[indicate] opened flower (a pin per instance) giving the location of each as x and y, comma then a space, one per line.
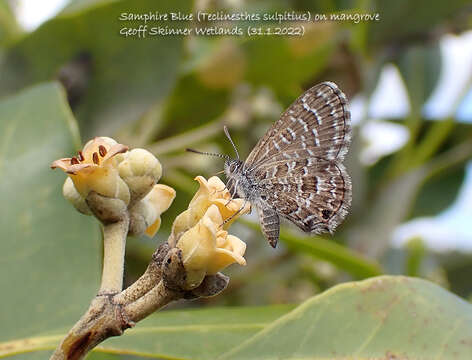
207, 249
95, 169
211, 192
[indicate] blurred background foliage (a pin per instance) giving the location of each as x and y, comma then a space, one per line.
168, 93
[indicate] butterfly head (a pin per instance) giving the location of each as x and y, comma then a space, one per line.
232, 167
232, 170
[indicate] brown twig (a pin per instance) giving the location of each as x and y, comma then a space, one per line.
111, 314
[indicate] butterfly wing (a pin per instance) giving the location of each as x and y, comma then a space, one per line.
317, 125
312, 193
297, 164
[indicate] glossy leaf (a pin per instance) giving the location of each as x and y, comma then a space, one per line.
379, 318
181, 334
49, 253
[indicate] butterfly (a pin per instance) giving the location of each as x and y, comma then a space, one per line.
295, 171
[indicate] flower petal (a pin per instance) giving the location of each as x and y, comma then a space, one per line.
115, 149
222, 259
66, 165
72, 195
153, 228
159, 200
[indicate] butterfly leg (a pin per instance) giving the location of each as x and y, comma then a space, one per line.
236, 213
270, 225
231, 186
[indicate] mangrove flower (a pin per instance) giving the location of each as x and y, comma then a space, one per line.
95, 169
200, 231
211, 192
146, 214
107, 168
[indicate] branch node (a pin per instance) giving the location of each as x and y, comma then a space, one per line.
173, 271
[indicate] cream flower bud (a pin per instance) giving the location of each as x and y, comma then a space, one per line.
207, 250
140, 170
73, 196
146, 214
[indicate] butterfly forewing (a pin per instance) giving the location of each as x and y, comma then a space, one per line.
317, 124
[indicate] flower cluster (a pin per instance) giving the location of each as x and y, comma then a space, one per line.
112, 171
200, 231
107, 179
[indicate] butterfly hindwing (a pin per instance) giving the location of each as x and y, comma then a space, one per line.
315, 195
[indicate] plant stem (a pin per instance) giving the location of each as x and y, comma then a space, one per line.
151, 277
190, 137
155, 299
114, 243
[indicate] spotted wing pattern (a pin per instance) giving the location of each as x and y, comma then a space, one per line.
312, 193
317, 124
298, 166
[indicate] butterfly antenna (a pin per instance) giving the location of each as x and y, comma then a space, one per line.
231, 140
226, 157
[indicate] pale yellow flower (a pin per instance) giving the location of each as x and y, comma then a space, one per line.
206, 249
211, 192
156, 202
95, 169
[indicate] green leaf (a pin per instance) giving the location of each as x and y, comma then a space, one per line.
380, 318
383, 317
202, 334
9, 28
266, 56
116, 78
397, 24
420, 67
49, 253
438, 192
182, 334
